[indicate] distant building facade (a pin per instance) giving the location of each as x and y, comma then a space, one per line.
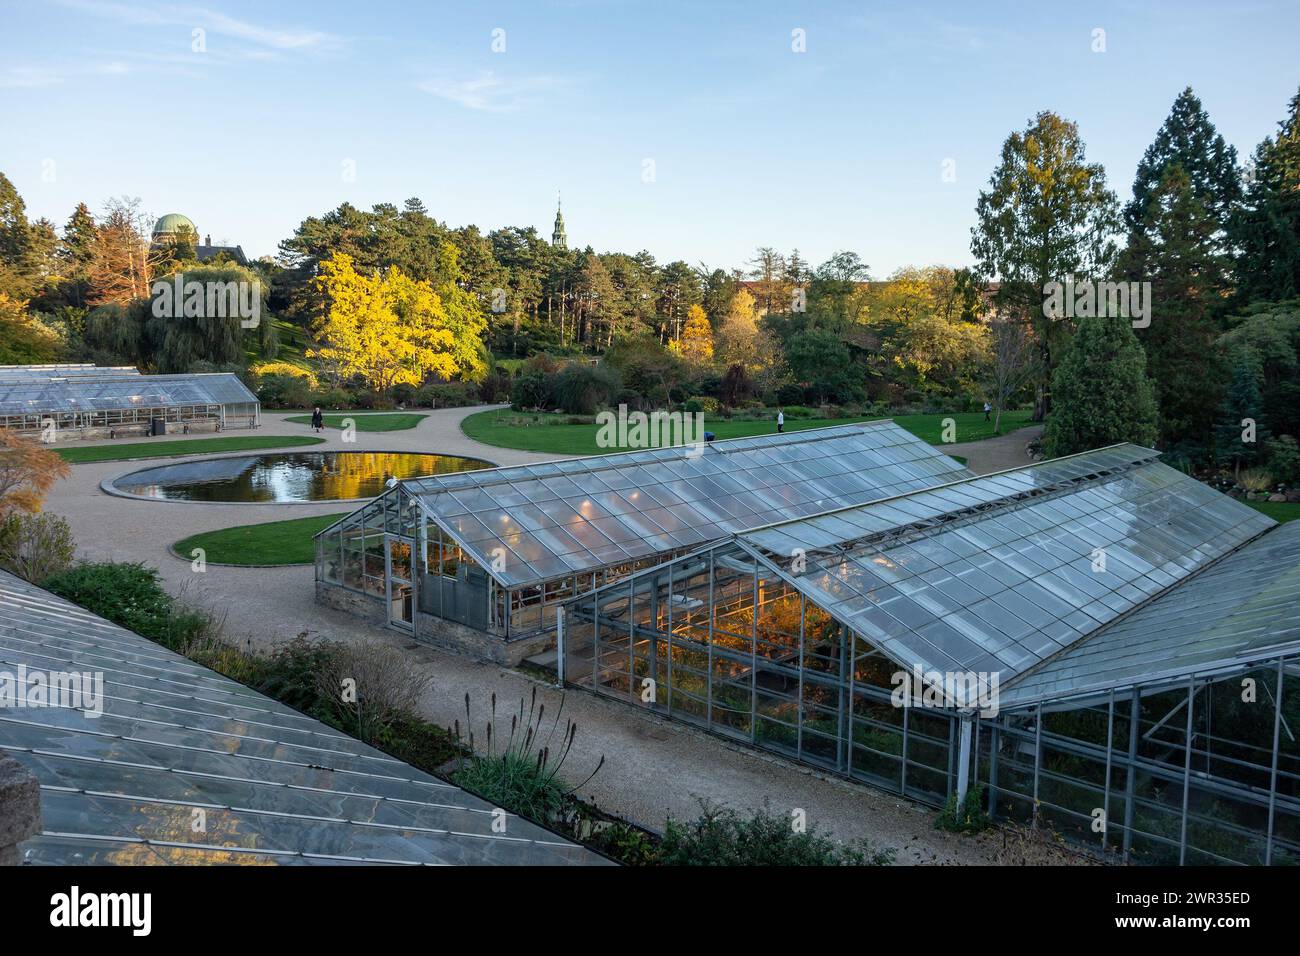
172, 225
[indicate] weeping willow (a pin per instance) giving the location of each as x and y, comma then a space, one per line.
182, 340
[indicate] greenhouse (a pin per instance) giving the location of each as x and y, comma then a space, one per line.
481, 560
1098, 644
83, 401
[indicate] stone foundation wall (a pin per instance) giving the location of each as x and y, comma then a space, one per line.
437, 631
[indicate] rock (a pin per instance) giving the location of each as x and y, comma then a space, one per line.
1277, 497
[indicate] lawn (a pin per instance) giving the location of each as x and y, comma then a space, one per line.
273, 542
551, 436
366, 421
193, 446
1279, 511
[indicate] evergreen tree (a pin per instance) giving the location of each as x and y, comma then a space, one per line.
1240, 431
1187, 139
1101, 391
1174, 247
1266, 230
76, 253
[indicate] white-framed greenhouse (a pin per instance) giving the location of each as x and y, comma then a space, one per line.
86, 401
483, 559
1102, 644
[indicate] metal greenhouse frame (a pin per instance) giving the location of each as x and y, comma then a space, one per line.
80, 398
498, 550
1117, 715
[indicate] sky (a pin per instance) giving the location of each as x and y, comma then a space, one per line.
695, 130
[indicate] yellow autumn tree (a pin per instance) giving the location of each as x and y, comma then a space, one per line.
738, 334
390, 329
696, 343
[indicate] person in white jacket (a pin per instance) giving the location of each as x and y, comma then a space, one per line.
780, 420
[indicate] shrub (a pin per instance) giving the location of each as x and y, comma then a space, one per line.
531, 389
27, 472
1284, 460
789, 394
368, 686
372, 400
969, 817
446, 395
289, 674
1256, 479
522, 772
721, 837
131, 596
582, 389
284, 391
36, 546
495, 387
285, 370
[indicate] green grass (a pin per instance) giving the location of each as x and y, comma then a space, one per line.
194, 446
366, 421
1279, 511
273, 542
501, 428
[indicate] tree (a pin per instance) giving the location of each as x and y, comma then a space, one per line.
1174, 247
388, 328
76, 253
24, 339
1186, 139
737, 333
717, 289
767, 269
1102, 393
696, 343
1047, 215
181, 336
819, 359
123, 265
1012, 364
1240, 431
1267, 228
27, 472
833, 287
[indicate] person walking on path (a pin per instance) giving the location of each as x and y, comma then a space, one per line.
317, 420
780, 420
987, 408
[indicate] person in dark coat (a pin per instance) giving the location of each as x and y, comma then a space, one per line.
317, 420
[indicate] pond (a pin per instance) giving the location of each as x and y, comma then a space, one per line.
289, 477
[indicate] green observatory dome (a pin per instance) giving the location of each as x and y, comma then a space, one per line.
172, 223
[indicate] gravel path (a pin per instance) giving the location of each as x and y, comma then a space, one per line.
996, 454
653, 769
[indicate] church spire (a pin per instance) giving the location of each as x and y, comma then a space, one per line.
558, 238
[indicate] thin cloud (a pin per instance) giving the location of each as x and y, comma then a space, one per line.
491, 92
29, 77
213, 21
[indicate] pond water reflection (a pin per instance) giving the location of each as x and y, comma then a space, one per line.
297, 476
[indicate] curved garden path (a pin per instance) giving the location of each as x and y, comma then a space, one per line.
653, 768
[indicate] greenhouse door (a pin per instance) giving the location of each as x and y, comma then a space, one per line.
397, 572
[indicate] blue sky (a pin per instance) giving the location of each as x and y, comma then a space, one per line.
838, 147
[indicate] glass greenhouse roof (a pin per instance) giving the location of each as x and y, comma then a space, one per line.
89, 393
275, 786
1240, 611
27, 373
558, 518
1001, 572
